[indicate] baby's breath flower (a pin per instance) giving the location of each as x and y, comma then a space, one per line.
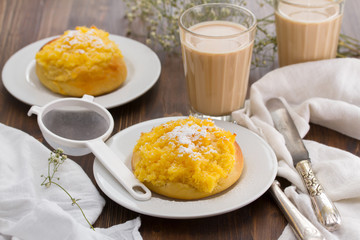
57, 157
160, 19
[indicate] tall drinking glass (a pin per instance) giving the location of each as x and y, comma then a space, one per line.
307, 30
217, 41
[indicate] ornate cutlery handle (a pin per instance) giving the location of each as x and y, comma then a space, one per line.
324, 208
301, 226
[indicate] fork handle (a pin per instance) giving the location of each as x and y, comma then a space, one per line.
302, 227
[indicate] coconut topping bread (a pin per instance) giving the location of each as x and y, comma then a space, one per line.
81, 61
187, 158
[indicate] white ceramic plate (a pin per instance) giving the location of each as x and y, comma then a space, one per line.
260, 167
143, 66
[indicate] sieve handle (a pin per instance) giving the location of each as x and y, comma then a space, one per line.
34, 110
118, 169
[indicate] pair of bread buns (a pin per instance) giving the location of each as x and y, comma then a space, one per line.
187, 159
81, 61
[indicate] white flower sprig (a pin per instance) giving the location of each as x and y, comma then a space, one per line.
160, 18
57, 157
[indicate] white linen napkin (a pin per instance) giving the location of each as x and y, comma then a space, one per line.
31, 211
326, 93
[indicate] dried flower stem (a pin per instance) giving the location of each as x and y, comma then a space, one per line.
160, 19
348, 47
57, 157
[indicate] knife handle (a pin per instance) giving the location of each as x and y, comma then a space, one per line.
302, 227
325, 210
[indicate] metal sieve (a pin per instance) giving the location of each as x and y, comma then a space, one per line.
80, 126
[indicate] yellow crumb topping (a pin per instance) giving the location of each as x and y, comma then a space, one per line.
82, 47
190, 151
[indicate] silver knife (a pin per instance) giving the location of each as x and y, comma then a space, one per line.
324, 208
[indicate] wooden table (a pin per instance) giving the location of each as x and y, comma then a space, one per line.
25, 21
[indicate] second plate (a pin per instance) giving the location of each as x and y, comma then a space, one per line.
142, 63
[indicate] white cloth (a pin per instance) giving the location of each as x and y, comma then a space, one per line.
31, 211
326, 93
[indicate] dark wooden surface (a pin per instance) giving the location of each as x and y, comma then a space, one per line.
25, 21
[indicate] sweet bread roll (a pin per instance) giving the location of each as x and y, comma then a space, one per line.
187, 159
81, 61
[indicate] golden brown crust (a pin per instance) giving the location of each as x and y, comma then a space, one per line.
94, 81
186, 192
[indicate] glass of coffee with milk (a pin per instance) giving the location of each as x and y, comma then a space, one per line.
216, 41
307, 30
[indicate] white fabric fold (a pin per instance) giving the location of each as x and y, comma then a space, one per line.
31, 211
326, 93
